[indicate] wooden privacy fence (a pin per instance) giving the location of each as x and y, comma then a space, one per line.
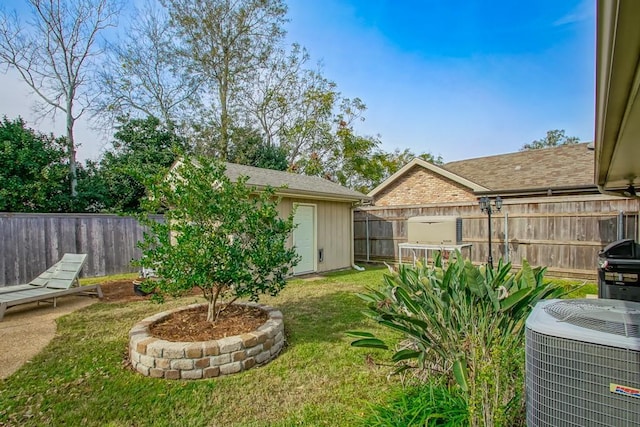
30, 243
561, 233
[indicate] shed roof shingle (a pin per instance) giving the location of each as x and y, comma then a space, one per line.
311, 186
556, 167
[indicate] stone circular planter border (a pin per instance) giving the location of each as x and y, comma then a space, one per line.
158, 358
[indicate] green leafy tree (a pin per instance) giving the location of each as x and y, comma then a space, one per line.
554, 138
93, 192
348, 162
249, 148
310, 136
323, 141
34, 176
306, 116
222, 237
379, 165
143, 150
275, 99
391, 162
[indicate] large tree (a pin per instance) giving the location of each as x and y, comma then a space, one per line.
302, 112
53, 53
344, 155
144, 75
290, 104
143, 150
378, 165
33, 172
249, 148
553, 138
228, 41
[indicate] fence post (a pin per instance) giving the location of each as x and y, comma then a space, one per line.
506, 237
620, 225
367, 232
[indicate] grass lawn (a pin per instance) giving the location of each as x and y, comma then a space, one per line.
80, 378
577, 288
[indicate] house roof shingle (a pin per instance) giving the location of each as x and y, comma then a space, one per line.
556, 167
300, 185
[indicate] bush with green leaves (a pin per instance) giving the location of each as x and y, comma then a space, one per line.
429, 405
464, 323
34, 175
223, 237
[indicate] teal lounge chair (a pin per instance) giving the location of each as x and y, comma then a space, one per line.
48, 274
59, 280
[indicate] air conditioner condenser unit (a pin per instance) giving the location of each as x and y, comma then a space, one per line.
583, 363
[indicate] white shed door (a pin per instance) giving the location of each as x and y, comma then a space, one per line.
304, 238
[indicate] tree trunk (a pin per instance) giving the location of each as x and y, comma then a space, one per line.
71, 149
223, 145
211, 312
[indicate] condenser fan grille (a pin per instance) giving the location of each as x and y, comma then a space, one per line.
598, 315
568, 383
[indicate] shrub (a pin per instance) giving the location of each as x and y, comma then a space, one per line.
427, 405
464, 323
223, 237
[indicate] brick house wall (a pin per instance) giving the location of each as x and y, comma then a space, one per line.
419, 186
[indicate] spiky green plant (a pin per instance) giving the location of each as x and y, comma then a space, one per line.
465, 323
428, 405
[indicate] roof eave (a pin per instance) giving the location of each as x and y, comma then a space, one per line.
300, 194
617, 101
519, 192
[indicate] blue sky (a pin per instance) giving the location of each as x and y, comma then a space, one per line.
460, 79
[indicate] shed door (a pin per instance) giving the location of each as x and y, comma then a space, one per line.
304, 238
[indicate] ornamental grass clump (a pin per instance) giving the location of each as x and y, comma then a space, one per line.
429, 405
462, 323
221, 236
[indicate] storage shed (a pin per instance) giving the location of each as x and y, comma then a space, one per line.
323, 214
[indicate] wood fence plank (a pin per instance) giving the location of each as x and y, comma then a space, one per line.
564, 234
30, 243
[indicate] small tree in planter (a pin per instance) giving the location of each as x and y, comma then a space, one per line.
222, 237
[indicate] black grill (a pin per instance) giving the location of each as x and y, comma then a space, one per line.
619, 271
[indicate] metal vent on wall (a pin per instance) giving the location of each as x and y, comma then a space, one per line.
598, 315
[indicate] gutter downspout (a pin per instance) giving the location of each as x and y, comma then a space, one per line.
353, 240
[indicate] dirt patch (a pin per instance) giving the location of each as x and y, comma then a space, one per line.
191, 325
122, 291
